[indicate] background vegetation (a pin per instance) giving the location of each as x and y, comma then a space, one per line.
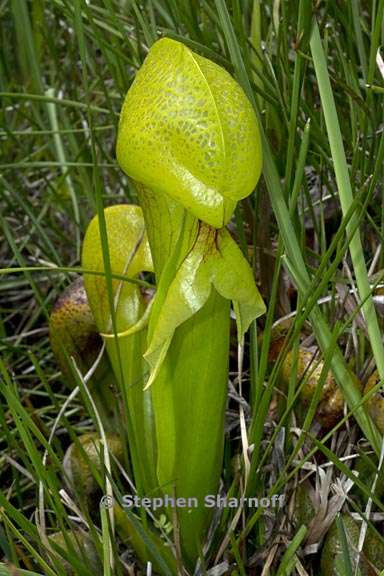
65, 67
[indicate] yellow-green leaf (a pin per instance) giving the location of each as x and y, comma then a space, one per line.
233, 278
214, 261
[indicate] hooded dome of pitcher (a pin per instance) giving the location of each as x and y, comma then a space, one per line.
188, 130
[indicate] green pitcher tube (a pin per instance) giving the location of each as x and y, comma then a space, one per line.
129, 256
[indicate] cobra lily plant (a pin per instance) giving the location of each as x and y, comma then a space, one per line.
188, 138
129, 255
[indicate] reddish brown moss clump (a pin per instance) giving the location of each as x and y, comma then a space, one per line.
375, 404
309, 368
72, 330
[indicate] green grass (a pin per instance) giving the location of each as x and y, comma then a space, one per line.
311, 75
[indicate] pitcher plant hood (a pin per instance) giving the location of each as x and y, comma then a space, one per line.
188, 130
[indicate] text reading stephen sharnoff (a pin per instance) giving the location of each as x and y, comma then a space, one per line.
210, 501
